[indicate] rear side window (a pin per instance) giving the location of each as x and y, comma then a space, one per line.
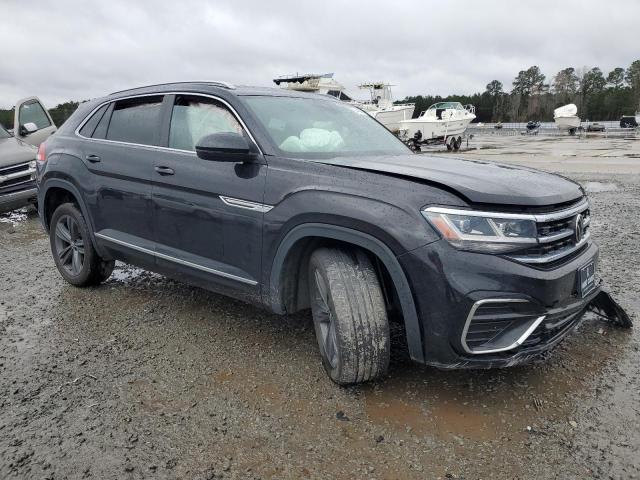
194, 117
136, 120
32, 112
90, 126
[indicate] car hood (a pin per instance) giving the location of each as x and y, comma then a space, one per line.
475, 180
13, 151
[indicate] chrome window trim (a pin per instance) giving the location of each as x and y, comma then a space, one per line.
176, 260
158, 147
246, 204
515, 344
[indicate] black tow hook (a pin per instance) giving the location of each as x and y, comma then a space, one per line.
606, 307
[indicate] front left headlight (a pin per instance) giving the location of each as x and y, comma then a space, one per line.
483, 231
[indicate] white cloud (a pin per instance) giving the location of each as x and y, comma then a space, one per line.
76, 50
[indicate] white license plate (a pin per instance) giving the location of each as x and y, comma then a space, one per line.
587, 278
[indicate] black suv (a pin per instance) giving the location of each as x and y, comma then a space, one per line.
294, 201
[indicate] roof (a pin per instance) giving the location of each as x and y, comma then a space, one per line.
212, 87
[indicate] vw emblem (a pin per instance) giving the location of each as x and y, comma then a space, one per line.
579, 227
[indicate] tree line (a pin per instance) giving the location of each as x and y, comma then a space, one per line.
597, 96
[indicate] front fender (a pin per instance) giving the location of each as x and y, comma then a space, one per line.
367, 242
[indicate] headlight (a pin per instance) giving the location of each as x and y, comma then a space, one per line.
483, 231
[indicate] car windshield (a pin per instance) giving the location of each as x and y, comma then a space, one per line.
4, 133
321, 128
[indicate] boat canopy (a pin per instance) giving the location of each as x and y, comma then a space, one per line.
567, 111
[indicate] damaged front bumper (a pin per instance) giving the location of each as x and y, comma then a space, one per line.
550, 329
484, 311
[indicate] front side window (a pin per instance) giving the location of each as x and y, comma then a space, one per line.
32, 112
195, 117
320, 127
136, 120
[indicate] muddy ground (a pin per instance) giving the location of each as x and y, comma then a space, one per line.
145, 377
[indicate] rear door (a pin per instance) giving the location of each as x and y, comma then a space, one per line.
31, 111
207, 214
120, 150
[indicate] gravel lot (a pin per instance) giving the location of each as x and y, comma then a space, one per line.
145, 377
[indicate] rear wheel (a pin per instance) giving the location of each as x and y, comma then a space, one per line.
349, 315
72, 249
450, 143
457, 143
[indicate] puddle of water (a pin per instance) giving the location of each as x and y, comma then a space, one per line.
597, 187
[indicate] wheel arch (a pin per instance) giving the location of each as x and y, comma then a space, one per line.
60, 190
287, 283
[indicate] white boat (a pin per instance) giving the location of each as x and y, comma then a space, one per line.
323, 84
442, 120
381, 106
566, 118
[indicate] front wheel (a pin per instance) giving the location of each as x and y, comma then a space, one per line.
349, 315
72, 249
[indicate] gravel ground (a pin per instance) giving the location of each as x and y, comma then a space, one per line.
145, 377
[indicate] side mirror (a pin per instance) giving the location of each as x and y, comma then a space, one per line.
225, 147
28, 128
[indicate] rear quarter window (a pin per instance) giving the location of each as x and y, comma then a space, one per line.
89, 127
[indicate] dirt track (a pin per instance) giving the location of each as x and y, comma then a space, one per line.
145, 377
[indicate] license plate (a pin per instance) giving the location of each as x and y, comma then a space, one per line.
587, 278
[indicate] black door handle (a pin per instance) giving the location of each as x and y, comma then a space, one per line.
164, 170
93, 158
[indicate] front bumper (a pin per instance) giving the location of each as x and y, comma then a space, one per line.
529, 309
18, 199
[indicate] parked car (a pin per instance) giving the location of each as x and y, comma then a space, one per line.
17, 172
595, 127
628, 121
32, 122
294, 201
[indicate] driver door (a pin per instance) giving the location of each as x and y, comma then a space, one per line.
31, 111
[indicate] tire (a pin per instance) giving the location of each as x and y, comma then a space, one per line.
349, 315
73, 251
457, 144
450, 144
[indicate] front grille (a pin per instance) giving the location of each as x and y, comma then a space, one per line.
22, 167
16, 178
560, 236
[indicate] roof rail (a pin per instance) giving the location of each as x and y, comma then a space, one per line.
214, 83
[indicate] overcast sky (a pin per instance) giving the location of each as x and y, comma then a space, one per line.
62, 50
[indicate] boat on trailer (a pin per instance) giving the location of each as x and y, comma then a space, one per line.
441, 122
566, 118
382, 108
